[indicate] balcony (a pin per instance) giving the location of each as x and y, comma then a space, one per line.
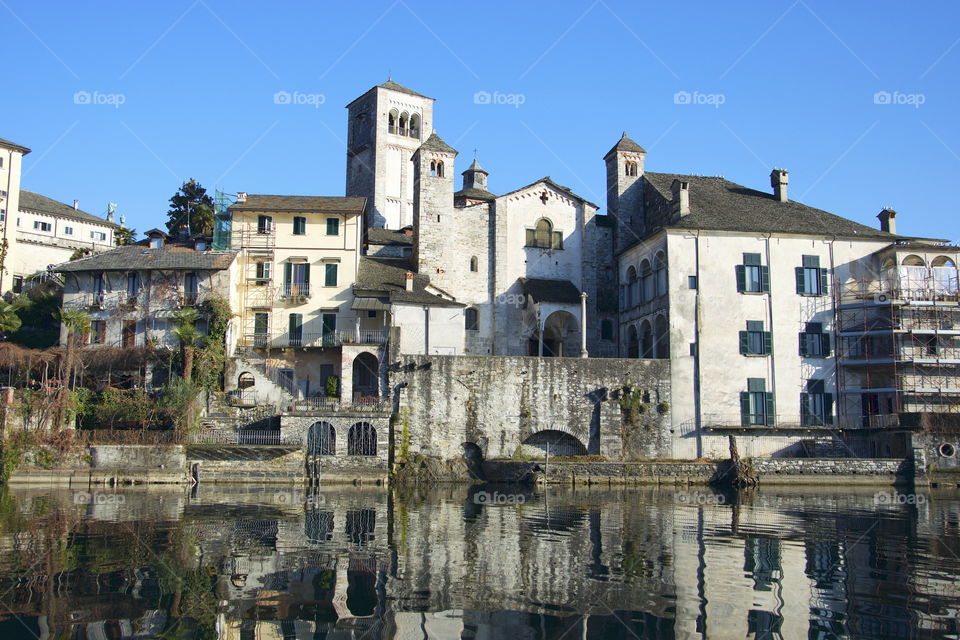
797, 422
295, 293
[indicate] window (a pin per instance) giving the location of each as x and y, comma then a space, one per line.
41, 226
68, 231
439, 168
295, 330
265, 225
128, 336
133, 285
471, 320
752, 277
3, 215
191, 288
261, 328
606, 330
392, 121
755, 341
1, 163
404, 118
330, 274
296, 279
474, 264
632, 295
362, 440
333, 226
691, 282
630, 168
328, 326
756, 404
98, 332
415, 126
17, 284
99, 236
98, 283
321, 440
156, 242
264, 273
299, 225
246, 380
814, 343
816, 407
543, 236
660, 274
647, 283
811, 279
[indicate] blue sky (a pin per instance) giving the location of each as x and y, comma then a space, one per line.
791, 84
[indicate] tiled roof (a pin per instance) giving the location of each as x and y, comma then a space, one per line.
559, 187
389, 237
717, 204
542, 290
319, 204
626, 144
13, 145
393, 86
377, 277
434, 143
141, 256
30, 201
475, 194
475, 166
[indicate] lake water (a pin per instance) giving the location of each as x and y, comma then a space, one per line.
454, 562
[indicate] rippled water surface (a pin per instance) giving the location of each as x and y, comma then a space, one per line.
459, 562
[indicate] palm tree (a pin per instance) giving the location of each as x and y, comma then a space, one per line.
9, 320
77, 323
188, 335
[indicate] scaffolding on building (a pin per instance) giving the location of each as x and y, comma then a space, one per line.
222, 221
257, 285
898, 345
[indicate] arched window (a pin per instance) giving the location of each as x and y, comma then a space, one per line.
945, 277
474, 264
362, 440
943, 261
888, 264
633, 343
913, 261
660, 274
439, 168
543, 236
606, 330
415, 126
392, 121
471, 319
661, 338
433, 168
246, 380
631, 168
647, 284
646, 340
402, 128
632, 298
321, 439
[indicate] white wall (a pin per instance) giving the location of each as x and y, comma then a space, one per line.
429, 330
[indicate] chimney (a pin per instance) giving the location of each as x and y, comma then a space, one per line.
681, 197
241, 197
778, 180
76, 205
888, 220
409, 281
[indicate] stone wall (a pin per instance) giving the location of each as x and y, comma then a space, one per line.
342, 467
498, 403
246, 464
130, 456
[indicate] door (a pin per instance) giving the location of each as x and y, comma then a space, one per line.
329, 329
296, 330
129, 334
261, 330
297, 279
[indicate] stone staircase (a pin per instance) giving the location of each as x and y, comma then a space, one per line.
267, 389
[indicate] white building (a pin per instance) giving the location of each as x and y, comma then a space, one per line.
11, 163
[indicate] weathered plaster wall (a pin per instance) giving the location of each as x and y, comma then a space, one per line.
498, 402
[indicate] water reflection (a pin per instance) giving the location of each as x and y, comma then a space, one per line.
245, 563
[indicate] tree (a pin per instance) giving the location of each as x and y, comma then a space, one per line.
191, 206
77, 323
124, 236
9, 320
185, 330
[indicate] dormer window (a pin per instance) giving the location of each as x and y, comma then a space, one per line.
156, 242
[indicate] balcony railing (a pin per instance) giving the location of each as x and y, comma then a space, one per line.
321, 404
316, 340
245, 436
294, 290
798, 422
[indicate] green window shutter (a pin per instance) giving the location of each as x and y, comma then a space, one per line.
811, 261
801, 281
824, 282
330, 276
765, 279
296, 321
741, 278
803, 344
825, 344
306, 273
771, 411
744, 342
767, 342
287, 271
744, 408
804, 408
828, 408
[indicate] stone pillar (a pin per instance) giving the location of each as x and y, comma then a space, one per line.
583, 324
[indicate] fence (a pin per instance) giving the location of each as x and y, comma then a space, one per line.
245, 436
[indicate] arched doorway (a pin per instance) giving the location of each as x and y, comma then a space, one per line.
366, 376
561, 335
553, 443
321, 439
362, 440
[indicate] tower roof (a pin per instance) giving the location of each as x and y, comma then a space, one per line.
393, 86
626, 144
475, 166
434, 143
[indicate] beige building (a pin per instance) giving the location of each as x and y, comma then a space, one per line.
11, 163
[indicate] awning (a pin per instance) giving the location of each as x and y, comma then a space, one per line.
370, 304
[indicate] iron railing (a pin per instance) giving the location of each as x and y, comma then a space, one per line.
795, 421
245, 436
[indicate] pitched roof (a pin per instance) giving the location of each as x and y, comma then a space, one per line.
625, 144
30, 201
475, 194
173, 255
393, 86
434, 143
317, 204
475, 166
379, 276
559, 187
13, 145
389, 237
717, 204
543, 290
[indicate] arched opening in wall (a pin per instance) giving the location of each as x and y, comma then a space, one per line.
472, 451
945, 279
415, 126
647, 284
561, 335
402, 126
474, 264
632, 296
913, 275
439, 168
362, 440
471, 319
660, 274
606, 330
245, 380
631, 168
321, 439
392, 121
552, 443
646, 339
633, 343
366, 376
361, 593
433, 168
661, 337
913, 261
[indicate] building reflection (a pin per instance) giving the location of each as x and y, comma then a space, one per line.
246, 564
